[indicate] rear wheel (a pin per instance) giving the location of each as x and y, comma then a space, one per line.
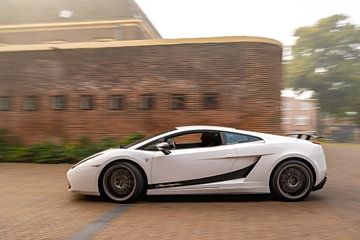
292, 181
122, 182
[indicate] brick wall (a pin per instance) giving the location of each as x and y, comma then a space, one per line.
245, 76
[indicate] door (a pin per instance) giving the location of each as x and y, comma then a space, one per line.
248, 148
195, 158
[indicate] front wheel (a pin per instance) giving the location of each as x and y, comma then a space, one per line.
122, 182
292, 181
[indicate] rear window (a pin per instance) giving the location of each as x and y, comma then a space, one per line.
234, 138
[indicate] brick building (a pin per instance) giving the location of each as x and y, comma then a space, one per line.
110, 89
299, 113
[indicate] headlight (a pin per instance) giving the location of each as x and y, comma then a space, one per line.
86, 159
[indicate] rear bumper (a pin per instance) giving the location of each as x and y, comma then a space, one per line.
320, 185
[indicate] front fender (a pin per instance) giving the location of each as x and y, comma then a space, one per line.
142, 160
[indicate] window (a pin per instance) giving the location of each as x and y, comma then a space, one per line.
302, 120
30, 103
233, 138
119, 32
147, 138
286, 120
178, 101
286, 106
86, 102
147, 102
304, 106
191, 138
210, 101
58, 102
116, 102
5, 103
195, 139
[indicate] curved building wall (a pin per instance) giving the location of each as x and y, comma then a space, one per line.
161, 84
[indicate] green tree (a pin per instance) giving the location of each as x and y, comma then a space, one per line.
326, 59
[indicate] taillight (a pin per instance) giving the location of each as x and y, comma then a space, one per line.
315, 142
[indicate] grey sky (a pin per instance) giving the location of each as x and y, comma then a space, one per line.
266, 18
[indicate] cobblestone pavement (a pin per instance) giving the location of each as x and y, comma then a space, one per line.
34, 204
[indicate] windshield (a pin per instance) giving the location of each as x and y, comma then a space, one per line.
146, 138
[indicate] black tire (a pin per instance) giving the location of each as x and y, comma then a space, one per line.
121, 182
292, 181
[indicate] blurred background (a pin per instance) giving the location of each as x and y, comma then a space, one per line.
77, 72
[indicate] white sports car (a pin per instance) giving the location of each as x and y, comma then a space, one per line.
203, 160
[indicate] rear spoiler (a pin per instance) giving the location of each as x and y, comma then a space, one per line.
305, 136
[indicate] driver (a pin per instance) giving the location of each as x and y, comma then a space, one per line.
209, 139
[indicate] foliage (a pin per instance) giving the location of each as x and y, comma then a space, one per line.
326, 58
48, 152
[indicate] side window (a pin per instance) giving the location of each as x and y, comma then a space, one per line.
188, 140
233, 138
196, 140
152, 146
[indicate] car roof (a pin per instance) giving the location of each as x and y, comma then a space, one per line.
224, 129
205, 127
179, 129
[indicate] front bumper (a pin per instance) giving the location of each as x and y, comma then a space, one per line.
320, 185
83, 179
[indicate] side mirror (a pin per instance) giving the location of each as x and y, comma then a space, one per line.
164, 147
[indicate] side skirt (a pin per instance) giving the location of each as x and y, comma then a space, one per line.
235, 186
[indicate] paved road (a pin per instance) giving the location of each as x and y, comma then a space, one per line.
34, 204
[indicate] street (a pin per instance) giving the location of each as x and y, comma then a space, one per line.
35, 204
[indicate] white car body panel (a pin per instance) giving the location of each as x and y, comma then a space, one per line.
201, 170
192, 163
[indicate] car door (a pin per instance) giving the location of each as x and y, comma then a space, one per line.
192, 165
248, 149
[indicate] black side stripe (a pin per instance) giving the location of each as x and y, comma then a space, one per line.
241, 173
